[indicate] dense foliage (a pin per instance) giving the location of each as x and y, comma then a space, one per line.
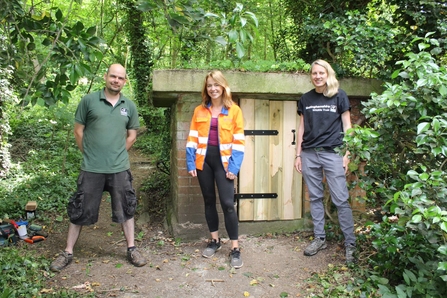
364, 38
406, 148
46, 159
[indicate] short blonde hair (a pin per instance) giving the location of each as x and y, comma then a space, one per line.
332, 84
220, 79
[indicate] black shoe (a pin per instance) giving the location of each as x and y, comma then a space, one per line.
211, 248
235, 258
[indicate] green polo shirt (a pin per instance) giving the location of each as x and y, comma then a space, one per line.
105, 132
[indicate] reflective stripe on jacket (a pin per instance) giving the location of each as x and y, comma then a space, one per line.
230, 133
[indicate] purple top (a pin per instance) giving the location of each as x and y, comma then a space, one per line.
213, 139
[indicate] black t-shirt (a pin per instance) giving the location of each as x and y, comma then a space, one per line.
323, 126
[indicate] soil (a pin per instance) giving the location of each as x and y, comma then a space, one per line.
273, 264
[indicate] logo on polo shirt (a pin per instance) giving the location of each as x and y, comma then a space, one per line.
123, 112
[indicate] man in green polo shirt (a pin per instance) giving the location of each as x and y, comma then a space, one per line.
106, 124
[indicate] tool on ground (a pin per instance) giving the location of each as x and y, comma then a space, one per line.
34, 239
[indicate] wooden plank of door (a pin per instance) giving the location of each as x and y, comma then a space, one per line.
246, 176
276, 168
261, 157
291, 186
297, 186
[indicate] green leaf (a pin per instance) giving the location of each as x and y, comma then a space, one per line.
146, 5
443, 226
73, 76
417, 218
221, 40
91, 31
400, 292
253, 17
424, 176
59, 15
443, 249
423, 127
70, 87
180, 19
240, 51
410, 275
46, 42
443, 90
422, 46
209, 14
78, 27
395, 74
31, 46
442, 266
233, 36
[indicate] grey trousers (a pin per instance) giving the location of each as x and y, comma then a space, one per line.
315, 163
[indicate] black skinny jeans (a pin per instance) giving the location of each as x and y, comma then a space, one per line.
214, 173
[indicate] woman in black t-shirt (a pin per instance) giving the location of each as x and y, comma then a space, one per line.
324, 119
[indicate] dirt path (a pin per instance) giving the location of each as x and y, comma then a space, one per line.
272, 265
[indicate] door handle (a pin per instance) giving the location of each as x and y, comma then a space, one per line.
293, 142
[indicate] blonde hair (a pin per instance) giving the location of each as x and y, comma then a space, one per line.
226, 94
332, 82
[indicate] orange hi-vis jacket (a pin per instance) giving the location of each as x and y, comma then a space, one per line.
230, 134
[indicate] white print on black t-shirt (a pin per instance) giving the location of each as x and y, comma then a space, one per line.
323, 108
123, 112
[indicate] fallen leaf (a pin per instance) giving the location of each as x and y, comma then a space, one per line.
165, 261
46, 291
82, 286
246, 294
106, 261
253, 282
96, 284
157, 280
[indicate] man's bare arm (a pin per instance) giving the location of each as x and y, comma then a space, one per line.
79, 135
131, 138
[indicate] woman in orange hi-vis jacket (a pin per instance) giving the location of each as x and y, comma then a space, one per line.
214, 153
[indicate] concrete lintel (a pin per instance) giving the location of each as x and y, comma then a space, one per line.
167, 84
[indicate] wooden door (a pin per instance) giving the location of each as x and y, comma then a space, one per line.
268, 165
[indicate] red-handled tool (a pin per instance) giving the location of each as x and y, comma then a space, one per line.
16, 226
34, 239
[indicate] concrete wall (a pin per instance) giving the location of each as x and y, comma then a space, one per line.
180, 90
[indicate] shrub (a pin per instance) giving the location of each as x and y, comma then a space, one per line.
407, 153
